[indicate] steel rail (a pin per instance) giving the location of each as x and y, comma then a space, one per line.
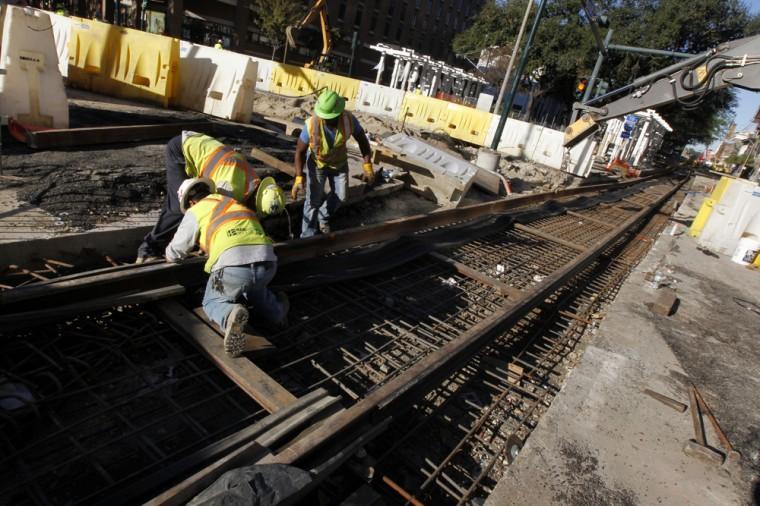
159, 273
430, 369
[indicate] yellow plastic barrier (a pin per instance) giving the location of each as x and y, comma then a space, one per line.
343, 86
424, 112
122, 62
293, 81
467, 124
700, 220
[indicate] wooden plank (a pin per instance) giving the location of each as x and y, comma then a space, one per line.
465, 270
68, 137
590, 219
254, 342
550, 237
273, 162
247, 375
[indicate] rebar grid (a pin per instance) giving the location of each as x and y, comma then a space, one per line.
104, 400
371, 329
513, 402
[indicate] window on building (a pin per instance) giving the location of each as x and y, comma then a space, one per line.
387, 29
374, 22
399, 32
358, 15
342, 10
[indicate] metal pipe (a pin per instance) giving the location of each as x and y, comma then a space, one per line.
512, 58
516, 81
644, 50
594, 74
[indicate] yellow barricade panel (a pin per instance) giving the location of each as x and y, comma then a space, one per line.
31, 86
293, 81
343, 86
467, 124
122, 62
424, 112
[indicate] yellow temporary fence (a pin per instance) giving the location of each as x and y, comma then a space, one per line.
700, 220
423, 112
293, 81
343, 86
122, 62
467, 124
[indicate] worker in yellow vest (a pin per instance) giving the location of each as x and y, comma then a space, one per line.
218, 44
322, 148
196, 155
241, 259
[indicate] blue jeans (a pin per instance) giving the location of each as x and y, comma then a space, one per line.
316, 208
246, 284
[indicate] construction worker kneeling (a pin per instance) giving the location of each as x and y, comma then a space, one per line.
241, 259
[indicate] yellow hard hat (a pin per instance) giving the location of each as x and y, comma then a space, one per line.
183, 193
269, 198
329, 105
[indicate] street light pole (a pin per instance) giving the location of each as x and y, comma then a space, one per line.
507, 107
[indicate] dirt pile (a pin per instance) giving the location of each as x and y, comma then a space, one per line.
527, 177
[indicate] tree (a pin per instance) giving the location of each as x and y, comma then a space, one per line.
274, 16
564, 48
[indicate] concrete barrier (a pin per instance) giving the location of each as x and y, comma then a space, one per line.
31, 86
264, 71
216, 82
379, 100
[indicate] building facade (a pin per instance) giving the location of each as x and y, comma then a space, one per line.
427, 26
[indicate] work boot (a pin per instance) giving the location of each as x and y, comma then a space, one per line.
146, 258
234, 334
324, 228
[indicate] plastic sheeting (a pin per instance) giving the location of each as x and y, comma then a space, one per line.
30, 83
216, 82
259, 485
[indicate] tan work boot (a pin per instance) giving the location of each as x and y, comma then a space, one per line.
234, 334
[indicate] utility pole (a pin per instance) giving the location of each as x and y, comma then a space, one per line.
507, 107
594, 74
512, 58
353, 53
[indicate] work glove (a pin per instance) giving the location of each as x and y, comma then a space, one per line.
369, 173
297, 185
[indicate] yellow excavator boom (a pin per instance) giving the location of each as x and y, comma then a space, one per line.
319, 8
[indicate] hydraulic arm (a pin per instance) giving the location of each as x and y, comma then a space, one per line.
319, 9
735, 63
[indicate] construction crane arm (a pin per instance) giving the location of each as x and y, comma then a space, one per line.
319, 9
735, 63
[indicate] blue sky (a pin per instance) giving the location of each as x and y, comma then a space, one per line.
748, 100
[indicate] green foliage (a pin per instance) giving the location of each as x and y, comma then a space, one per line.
743, 159
273, 16
565, 50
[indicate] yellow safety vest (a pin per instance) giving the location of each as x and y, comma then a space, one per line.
224, 224
325, 155
207, 157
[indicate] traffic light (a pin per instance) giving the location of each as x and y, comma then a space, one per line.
580, 88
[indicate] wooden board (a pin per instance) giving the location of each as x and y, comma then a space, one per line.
247, 375
273, 162
68, 137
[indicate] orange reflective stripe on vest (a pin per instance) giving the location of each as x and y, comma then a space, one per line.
318, 144
218, 156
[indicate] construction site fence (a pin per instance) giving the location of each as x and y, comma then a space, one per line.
133, 64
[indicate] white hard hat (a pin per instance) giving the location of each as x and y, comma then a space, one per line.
189, 184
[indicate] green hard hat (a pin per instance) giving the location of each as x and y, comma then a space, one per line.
329, 105
269, 198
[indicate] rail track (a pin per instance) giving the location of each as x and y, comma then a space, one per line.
453, 336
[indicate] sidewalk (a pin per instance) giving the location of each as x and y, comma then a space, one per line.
604, 442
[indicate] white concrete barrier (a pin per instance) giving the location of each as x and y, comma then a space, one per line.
379, 100
31, 86
216, 82
730, 217
264, 71
61, 36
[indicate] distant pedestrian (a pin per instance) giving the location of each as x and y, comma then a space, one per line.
322, 148
218, 44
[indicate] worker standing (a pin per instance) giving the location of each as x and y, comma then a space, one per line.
218, 44
196, 155
322, 148
241, 259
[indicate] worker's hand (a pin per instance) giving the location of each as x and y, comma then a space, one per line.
297, 186
369, 173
